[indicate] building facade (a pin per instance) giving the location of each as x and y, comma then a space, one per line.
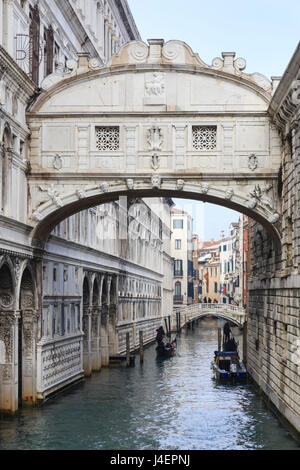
104, 271
182, 253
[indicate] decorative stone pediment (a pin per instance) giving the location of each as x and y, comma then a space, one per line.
158, 53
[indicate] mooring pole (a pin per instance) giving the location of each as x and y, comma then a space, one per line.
141, 347
166, 324
127, 350
245, 343
219, 339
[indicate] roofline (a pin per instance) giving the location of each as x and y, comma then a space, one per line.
284, 85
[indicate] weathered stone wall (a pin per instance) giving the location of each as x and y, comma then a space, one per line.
274, 292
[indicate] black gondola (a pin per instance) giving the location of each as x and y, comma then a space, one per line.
164, 349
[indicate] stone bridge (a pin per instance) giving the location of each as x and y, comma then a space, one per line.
155, 121
228, 312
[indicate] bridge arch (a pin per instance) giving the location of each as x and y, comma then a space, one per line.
155, 121
222, 316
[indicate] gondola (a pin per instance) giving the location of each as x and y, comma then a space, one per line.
164, 349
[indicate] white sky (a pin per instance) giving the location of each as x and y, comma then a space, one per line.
264, 32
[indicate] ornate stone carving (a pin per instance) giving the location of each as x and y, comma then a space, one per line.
37, 216
27, 301
104, 187
252, 161
17, 267
53, 194
261, 81
180, 184
57, 162
296, 92
228, 64
155, 138
229, 193
252, 203
94, 63
204, 137
259, 195
58, 75
130, 183
81, 193
6, 300
155, 181
107, 138
60, 362
274, 218
155, 163
204, 188
156, 85
138, 51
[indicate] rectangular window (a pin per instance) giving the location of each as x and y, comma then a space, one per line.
216, 287
224, 247
178, 223
204, 137
22, 144
177, 244
107, 138
178, 267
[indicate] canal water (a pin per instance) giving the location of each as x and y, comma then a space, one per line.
162, 405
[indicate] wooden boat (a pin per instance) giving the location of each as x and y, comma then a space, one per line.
166, 349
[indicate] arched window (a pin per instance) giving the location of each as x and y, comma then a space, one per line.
178, 288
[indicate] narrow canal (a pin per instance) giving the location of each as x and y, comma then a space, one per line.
171, 404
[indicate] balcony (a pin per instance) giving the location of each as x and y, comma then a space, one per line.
178, 273
177, 299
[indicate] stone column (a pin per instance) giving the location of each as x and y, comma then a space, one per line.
104, 336
96, 339
29, 336
87, 353
9, 326
112, 333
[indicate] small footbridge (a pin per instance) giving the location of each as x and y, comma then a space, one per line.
187, 314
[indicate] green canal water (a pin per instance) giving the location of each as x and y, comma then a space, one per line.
172, 404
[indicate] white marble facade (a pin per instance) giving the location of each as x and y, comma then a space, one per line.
65, 309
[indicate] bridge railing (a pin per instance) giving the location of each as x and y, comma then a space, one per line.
191, 312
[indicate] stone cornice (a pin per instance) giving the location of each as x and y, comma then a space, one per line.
22, 129
9, 66
127, 19
77, 27
282, 108
65, 81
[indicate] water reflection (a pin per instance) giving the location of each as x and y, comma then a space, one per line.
169, 404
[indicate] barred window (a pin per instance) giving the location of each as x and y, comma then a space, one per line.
107, 138
204, 137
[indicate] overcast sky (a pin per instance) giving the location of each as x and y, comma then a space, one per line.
264, 32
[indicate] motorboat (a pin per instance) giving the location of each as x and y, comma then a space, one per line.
226, 364
228, 367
